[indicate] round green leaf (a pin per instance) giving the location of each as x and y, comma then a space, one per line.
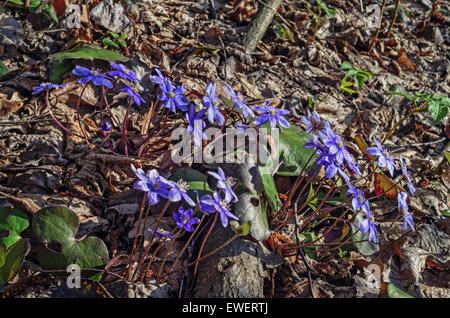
394, 292
59, 225
11, 260
15, 222
90, 53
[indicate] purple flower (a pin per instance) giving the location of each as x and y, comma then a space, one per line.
239, 101
91, 75
407, 176
408, 221
160, 233
211, 102
331, 166
123, 72
313, 143
206, 203
196, 125
133, 93
335, 146
160, 79
152, 183
225, 183
402, 204
313, 123
358, 197
221, 206
369, 226
106, 126
383, 157
272, 115
46, 87
185, 220
173, 96
178, 191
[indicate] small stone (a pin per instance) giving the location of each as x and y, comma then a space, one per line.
111, 16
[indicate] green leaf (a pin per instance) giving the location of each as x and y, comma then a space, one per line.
269, 188
445, 213
346, 66
394, 292
309, 237
406, 95
438, 107
49, 11
195, 180
15, 222
11, 260
60, 225
243, 229
91, 53
18, 2
114, 34
58, 69
3, 70
122, 42
109, 42
324, 7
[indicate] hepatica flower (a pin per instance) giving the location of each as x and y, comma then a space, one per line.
46, 87
196, 125
160, 233
408, 221
106, 126
211, 102
401, 199
173, 97
160, 79
152, 183
335, 146
368, 225
178, 191
239, 101
407, 176
383, 157
358, 197
133, 93
225, 183
123, 72
313, 123
272, 115
185, 220
214, 203
93, 76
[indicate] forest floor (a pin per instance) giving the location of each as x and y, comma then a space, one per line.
297, 63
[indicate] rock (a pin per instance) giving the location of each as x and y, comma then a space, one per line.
111, 16
11, 31
148, 290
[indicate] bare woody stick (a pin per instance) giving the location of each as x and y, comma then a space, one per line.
259, 24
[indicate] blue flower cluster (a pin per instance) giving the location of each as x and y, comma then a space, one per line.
335, 158
157, 186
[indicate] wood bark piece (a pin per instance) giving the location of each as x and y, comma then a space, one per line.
259, 24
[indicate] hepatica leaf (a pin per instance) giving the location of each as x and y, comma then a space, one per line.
394, 292
90, 53
13, 221
11, 259
58, 226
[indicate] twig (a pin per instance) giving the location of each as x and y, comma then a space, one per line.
397, 6
375, 38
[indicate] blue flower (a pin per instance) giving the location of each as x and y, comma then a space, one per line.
214, 203
178, 191
272, 115
313, 123
408, 221
123, 72
383, 157
211, 102
91, 75
152, 183
106, 126
173, 96
239, 101
313, 143
368, 225
335, 146
46, 87
133, 93
401, 199
160, 233
407, 176
331, 166
185, 220
160, 79
225, 183
358, 197
196, 125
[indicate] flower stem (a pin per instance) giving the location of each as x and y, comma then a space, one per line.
124, 128
47, 103
79, 117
